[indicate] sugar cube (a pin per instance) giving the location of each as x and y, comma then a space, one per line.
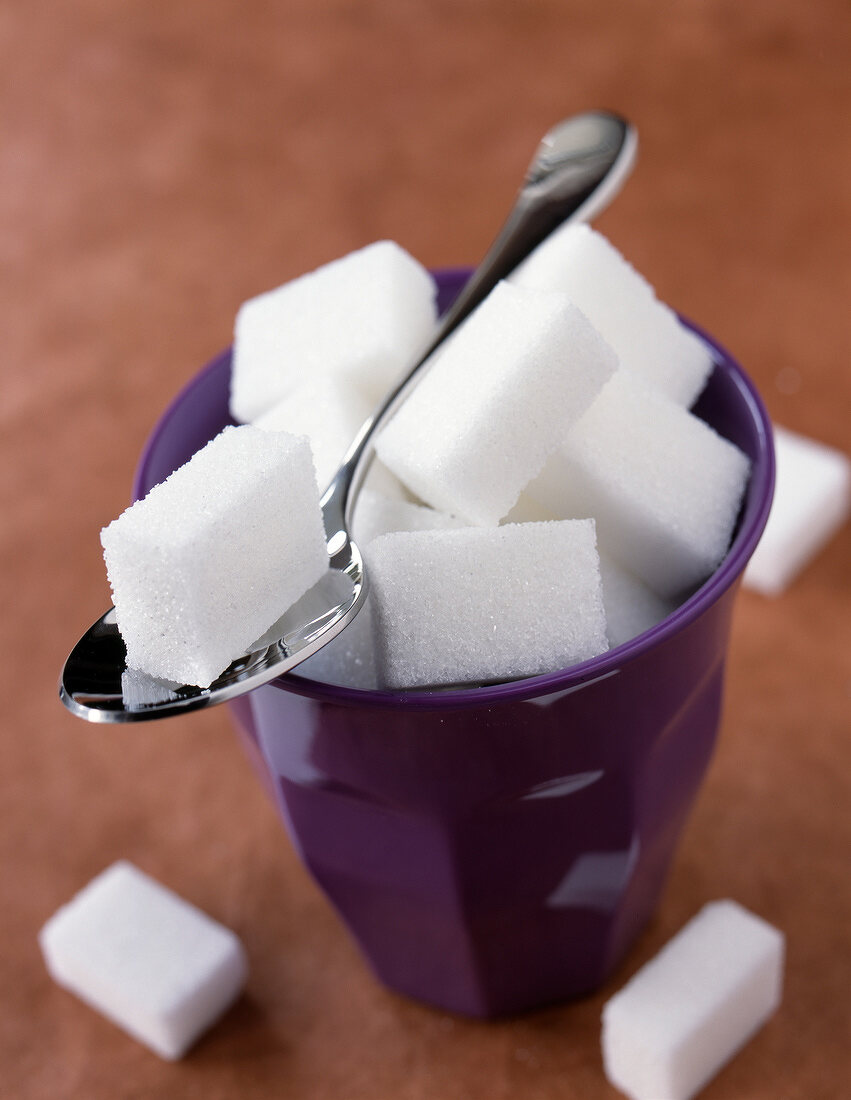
812, 499
139, 690
349, 659
143, 957
329, 412
631, 607
646, 334
664, 487
495, 402
528, 510
688, 1010
480, 604
380, 480
376, 514
363, 317
216, 553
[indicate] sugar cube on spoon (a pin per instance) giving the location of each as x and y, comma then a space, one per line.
216, 553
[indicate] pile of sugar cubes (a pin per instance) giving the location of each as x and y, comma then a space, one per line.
542, 495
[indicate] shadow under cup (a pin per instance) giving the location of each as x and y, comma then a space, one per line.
498, 848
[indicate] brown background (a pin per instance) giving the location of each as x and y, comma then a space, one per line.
162, 161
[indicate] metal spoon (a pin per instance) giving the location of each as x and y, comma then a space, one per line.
578, 168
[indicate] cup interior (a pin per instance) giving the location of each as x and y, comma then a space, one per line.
730, 404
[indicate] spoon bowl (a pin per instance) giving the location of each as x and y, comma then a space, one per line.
578, 167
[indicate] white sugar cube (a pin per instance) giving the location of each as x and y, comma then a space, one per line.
646, 334
145, 958
631, 607
364, 318
329, 412
376, 514
688, 1010
349, 659
139, 690
379, 480
495, 402
216, 553
528, 510
812, 499
664, 487
481, 604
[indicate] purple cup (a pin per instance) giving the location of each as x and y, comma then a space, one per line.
495, 849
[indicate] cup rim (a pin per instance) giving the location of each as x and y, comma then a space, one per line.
755, 515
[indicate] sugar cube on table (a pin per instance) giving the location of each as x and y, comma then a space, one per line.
495, 402
135, 951
376, 514
216, 553
364, 317
631, 607
664, 487
329, 412
812, 499
646, 334
480, 604
688, 1010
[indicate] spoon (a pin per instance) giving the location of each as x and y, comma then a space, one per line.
578, 168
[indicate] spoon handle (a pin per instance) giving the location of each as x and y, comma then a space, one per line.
578, 168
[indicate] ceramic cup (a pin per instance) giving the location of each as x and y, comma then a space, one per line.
498, 848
